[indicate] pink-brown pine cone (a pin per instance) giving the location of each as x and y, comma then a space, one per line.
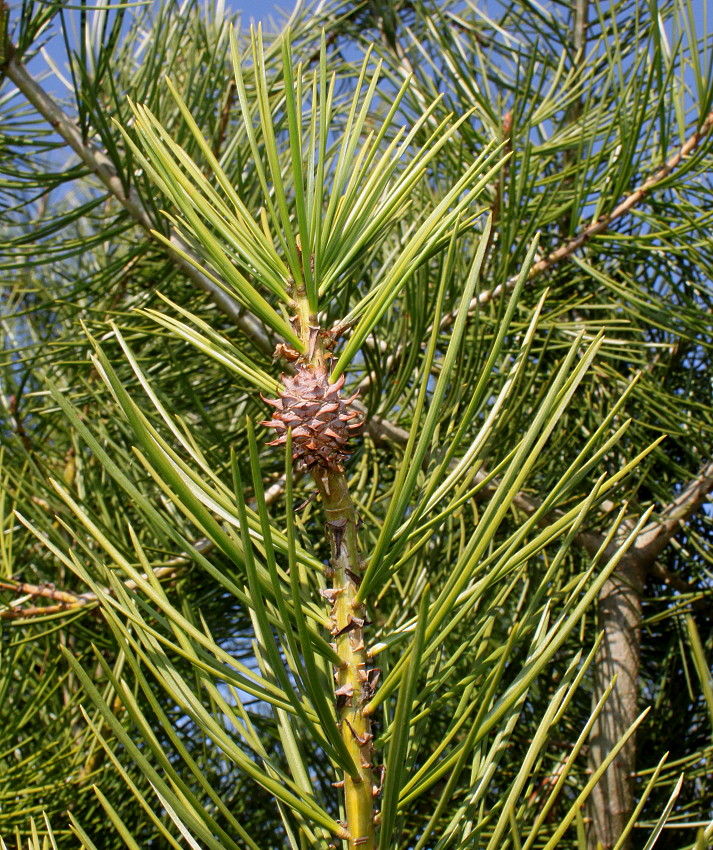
321, 421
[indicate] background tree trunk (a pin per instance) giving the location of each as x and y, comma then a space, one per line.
619, 618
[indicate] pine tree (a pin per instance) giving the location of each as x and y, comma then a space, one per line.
357, 427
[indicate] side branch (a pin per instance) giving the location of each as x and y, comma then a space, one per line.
101, 165
604, 222
658, 534
65, 600
565, 250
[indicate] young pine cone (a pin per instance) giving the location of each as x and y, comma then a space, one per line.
320, 420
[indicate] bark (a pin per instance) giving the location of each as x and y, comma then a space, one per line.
619, 619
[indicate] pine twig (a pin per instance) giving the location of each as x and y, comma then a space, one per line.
603, 223
64, 600
566, 250
101, 165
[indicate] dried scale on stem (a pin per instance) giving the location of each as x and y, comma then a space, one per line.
321, 423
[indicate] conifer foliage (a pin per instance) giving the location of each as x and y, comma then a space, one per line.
356, 426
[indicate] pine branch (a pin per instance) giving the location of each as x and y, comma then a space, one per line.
380, 429
659, 533
601, 225
655, 537
64, 600
101, 165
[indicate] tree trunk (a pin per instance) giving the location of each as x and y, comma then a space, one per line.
619, 614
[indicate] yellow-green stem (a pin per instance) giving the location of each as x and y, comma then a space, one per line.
352, 690
352, 684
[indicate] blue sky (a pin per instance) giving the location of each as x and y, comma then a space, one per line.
251, 11
259, 9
